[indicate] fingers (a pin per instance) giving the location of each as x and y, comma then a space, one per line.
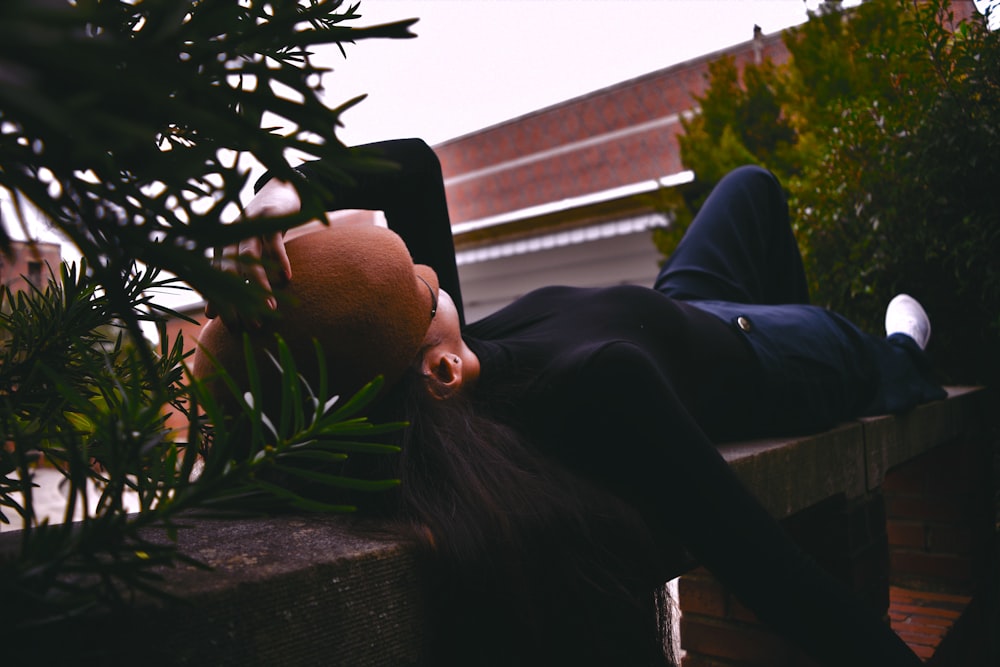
222, 261
262, 264
262, 261
250, 264
273, 250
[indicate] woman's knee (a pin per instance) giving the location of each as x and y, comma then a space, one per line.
752, 176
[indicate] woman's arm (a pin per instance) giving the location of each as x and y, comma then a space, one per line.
410, 191
413, 199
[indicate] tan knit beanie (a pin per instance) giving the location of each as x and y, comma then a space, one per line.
356, 291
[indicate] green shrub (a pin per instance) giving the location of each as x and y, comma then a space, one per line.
902, 197
883, 126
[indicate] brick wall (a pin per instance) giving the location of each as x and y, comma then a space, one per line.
848, 538
940, 510
613, 137
920, 548
29, 263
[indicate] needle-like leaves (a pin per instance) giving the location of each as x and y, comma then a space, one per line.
123, 123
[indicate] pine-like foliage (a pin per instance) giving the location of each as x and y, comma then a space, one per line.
123, 122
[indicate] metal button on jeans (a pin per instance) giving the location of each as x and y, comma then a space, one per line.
744, 323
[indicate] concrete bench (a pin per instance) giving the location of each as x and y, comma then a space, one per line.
307, 590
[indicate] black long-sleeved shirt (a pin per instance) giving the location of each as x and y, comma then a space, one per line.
623, 386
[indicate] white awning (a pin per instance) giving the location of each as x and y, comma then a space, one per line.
606, 230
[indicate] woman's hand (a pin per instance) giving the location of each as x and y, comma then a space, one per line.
257, 256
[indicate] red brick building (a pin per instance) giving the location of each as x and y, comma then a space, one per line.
29, 263
560, 196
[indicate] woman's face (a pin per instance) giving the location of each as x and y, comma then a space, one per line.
445, 323
447, 360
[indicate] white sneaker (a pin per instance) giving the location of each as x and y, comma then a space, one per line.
905, 315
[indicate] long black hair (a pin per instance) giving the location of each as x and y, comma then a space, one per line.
530, 563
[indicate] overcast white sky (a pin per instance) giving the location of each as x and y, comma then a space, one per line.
476, 63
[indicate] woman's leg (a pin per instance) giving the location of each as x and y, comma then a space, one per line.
739, 248
820, 367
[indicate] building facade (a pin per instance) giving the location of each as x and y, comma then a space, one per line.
562, 195
29, 263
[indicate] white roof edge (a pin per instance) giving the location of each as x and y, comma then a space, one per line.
670, 180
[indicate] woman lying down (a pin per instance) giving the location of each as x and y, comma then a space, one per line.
557, 446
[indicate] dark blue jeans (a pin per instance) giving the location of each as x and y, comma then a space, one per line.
739, 261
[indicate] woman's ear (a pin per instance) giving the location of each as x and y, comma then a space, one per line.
443, 371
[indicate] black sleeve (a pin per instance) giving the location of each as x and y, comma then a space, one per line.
410, 190
621, 422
